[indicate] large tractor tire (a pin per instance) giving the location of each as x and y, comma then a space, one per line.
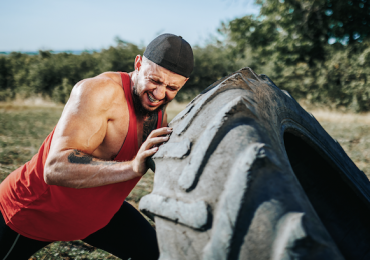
249, 174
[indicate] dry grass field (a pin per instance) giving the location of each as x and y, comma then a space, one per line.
352, 131
25, 125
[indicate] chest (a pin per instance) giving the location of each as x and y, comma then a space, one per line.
145, 127
118, 132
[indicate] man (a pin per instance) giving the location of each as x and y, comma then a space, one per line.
75, 187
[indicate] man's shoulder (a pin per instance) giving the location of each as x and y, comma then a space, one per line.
104, 88
108, 81
111, 75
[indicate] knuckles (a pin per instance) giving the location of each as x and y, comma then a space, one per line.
160, 131
156, 137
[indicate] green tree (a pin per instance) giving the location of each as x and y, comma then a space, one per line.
210, 63
299, 30
289, 41
6, 79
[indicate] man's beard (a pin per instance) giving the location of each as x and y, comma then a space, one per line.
140, 110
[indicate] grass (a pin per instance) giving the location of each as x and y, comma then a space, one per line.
352, 131
22, 131
24, 127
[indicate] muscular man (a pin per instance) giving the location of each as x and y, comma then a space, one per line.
75, 186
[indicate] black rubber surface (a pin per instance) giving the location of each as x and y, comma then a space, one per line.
343, 213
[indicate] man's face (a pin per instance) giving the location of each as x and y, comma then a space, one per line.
155, 86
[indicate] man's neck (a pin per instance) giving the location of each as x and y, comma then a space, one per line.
133, 75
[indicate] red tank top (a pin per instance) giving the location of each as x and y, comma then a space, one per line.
45, 212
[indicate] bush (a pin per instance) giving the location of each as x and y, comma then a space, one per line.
341, 80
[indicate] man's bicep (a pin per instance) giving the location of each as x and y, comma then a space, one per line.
83, 124
82, 131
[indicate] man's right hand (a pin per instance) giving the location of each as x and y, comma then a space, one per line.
150, 147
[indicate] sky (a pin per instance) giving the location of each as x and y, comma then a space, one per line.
30, 25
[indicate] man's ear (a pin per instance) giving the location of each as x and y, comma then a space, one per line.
138, 61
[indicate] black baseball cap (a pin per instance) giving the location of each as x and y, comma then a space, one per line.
171, 52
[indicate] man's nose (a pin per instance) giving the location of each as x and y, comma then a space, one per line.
160, 92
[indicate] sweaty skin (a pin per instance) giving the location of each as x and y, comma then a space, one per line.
95, 122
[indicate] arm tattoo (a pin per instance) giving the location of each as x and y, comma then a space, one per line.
149, 125
82, 158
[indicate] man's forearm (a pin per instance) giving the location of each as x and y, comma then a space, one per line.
75, 169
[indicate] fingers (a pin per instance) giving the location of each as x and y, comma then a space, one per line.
139, 165
160, 131
155, 138
150, 142
149, 152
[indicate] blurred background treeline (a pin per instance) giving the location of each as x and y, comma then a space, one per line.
318, 50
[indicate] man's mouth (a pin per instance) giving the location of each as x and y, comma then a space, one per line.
152, 99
